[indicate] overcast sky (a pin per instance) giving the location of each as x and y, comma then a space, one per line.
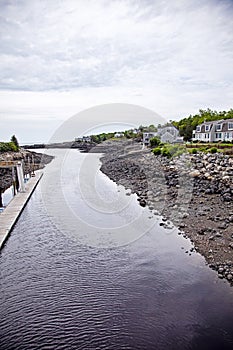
60, 57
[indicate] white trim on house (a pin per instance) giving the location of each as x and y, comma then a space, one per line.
230, 125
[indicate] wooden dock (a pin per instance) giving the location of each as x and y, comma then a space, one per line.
11, 213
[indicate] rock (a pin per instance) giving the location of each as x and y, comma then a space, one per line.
221, 270
182, 225
142, 202
229, 277
231, 245
218, 235
222, 225
195, 173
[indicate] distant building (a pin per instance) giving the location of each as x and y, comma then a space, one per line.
83, 139
214, 131
167, 134
119, 134
87, 138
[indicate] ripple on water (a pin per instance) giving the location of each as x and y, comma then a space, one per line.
57, 294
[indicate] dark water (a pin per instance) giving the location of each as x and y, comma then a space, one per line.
62, 290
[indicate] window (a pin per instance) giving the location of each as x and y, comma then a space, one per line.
207, 127
218, 135
230, 126
218, 127
198, 128
228, 135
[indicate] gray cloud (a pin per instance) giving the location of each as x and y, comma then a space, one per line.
58, 58
71, 44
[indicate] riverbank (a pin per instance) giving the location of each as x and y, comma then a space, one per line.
32, 161
193, 192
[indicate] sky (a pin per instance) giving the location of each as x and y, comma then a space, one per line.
59, 58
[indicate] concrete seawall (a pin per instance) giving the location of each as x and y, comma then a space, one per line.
12, 212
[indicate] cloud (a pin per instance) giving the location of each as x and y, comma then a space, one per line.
48, 45
59, 57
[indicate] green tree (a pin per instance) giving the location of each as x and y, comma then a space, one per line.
15, 142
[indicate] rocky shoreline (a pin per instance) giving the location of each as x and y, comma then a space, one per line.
193, 192
32, 161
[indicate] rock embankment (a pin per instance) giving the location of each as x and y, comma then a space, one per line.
195, 192
31, 160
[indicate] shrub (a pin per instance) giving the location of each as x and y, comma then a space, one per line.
8, 147
155, 141
213, 150
157, 151
203, 149
168, 150
192, 150
165, 152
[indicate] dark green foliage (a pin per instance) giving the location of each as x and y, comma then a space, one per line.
203, 149
129, 134
102, 137
155, 141
15, 142
213, 150
168, 150
12, 146
193, 150
157, 151
165, 152
8, 147
149, 128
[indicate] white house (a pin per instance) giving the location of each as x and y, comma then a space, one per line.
167, 134
218, 130
119, 134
